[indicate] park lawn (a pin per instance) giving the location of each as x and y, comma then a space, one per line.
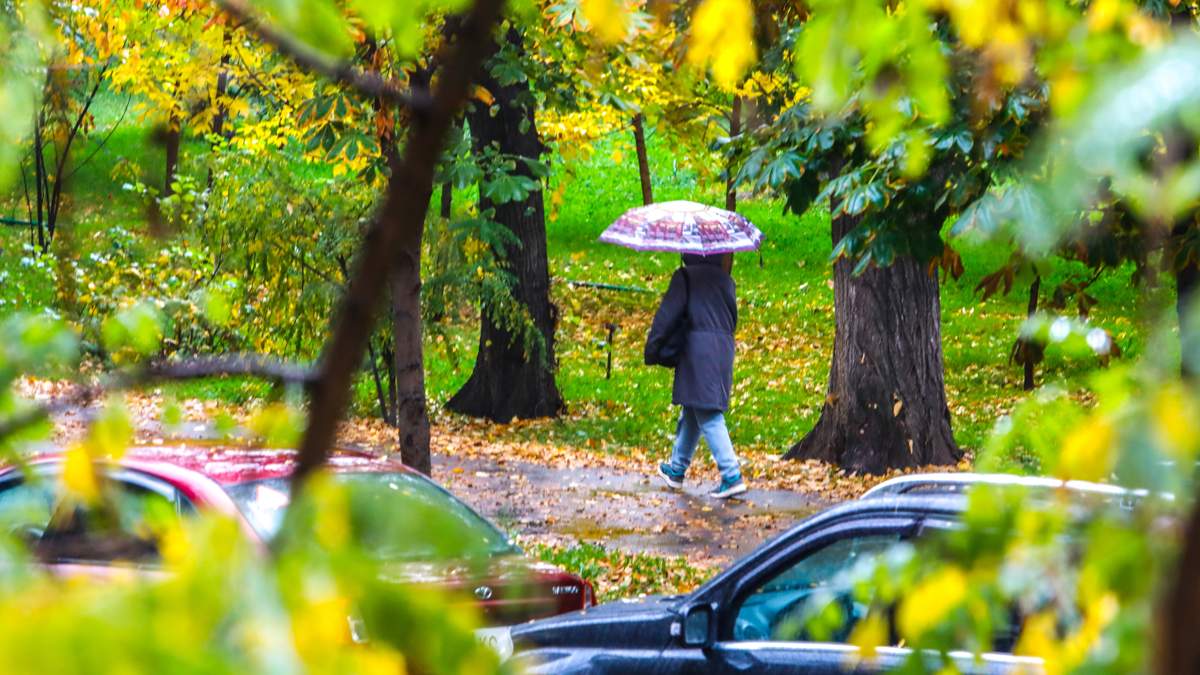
785, 332
786, 325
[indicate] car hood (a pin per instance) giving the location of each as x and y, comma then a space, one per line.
644, 623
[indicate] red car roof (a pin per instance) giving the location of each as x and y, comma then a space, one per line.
229, 464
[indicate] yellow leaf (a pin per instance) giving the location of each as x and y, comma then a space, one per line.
869, 634
1087, 452
1177, 421
1038, 639
79, 476
723, 37
482, 94
931, 601
608, 18
1102, 14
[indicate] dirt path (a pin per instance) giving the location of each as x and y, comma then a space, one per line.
623, 509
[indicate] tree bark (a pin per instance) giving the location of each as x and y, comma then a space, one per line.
508, 381
735, 129
412, 413
886, 401
639, 141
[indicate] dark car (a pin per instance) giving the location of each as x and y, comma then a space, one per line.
252, 485
731, 624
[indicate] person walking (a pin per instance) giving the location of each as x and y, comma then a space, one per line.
693, 331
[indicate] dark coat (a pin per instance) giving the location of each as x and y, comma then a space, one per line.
704, 376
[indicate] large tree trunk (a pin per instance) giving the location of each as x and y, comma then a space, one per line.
886, 403
509, 379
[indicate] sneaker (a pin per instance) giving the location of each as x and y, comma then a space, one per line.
728, 488
671, 477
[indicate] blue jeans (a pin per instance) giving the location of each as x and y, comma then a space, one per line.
692, 423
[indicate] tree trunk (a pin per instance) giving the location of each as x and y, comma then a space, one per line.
886, 402
1187, 295
172, 137
1034, 289
1178, 651
735, 129
39, 168
447, 200
639, 141
509, 380
412, 414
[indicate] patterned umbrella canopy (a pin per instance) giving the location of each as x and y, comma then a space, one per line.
683, 227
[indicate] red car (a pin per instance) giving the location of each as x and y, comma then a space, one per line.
252, 485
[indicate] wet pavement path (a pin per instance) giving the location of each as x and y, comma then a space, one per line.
624, 510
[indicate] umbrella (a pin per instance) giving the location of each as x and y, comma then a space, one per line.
683, 227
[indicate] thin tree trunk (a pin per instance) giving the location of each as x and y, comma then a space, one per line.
1030, 310
1187, 296
39, 170
218, 121
447, 200
886, 401
735, 129
411, 413
639, 141
508, 381
172, 138
385, 405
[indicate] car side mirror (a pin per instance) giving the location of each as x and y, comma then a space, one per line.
697, 626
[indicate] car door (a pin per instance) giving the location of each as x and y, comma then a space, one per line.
763, 624
753, 618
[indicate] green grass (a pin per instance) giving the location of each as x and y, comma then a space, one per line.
617, 574
785, 306
786, 324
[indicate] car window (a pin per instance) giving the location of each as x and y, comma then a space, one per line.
126, 529
777, 609
264, 502
25, 508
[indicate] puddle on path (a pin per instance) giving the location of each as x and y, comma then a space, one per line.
625, 510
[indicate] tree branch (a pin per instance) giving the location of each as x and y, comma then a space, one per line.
368, 83
254, 365
199, 367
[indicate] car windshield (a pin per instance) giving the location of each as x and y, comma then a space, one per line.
264, 502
